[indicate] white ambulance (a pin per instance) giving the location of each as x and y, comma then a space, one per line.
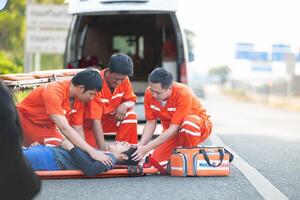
149, 31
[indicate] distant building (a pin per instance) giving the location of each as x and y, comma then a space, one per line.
253, 68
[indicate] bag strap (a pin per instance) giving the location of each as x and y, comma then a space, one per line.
221, 152
158, 166
230, 155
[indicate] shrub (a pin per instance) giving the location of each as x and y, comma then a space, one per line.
7, 66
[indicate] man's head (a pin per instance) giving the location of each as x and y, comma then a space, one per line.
120, 66
160, 83
123, 152
86, 84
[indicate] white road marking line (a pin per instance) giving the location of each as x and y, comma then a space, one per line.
264, 187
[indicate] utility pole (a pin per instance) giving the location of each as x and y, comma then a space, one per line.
290, 61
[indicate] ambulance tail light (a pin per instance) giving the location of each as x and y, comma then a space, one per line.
183, 73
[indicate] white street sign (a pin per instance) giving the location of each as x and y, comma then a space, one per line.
47, 16
45, 41
47, 29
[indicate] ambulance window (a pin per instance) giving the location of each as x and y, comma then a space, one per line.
129, 44
191, 41
82, 37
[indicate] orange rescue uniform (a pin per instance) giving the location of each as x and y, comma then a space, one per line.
43, 101
182, 108
103, 107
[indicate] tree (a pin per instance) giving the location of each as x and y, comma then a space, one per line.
220, 72
12, 30
49, 1
12, 33
7, 66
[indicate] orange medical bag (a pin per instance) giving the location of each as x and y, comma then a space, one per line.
200, 161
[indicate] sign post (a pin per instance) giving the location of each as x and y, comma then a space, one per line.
47, 28
290, 61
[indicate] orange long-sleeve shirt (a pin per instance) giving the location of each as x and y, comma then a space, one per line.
106, 102
181, 103
52, 98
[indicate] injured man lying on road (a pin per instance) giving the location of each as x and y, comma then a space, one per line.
69, 157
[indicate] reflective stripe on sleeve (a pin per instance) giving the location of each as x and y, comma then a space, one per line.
190, 132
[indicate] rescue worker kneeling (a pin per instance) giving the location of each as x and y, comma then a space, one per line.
54, 111
184, 120
111, 109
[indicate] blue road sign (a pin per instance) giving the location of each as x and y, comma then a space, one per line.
278, 56
259, 56
298, 58
252, 55
261, 68
242, 55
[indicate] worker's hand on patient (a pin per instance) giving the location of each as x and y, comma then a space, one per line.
102, 157
121, 112
139, 153
96, 155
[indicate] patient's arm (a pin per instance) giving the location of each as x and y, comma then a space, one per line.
83, 161
88, 165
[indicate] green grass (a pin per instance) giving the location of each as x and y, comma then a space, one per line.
51, 61
236, 93
20, 95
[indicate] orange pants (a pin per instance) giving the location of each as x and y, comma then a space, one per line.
125, 130
193, 131
35, 133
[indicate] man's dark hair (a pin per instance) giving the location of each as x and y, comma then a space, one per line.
162, 76
129, 161
120, 63
90, 78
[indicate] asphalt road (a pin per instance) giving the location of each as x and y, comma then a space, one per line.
266, 144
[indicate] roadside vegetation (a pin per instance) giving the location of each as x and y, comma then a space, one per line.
12, 37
